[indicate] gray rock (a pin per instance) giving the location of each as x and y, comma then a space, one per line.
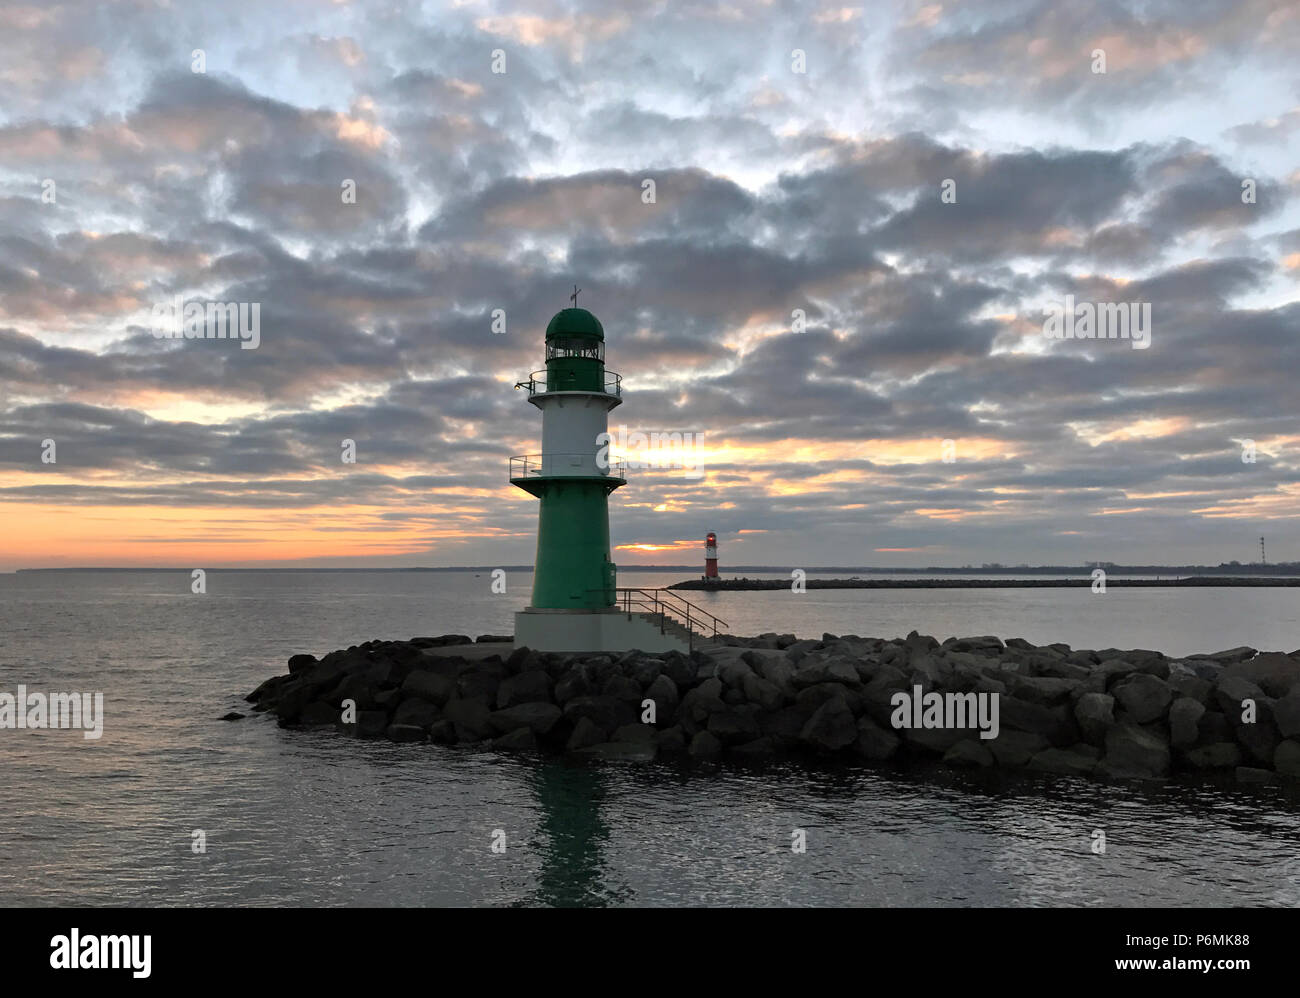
417, 712
734, 673
1095, 714
1186, 684
519, 740
532, 686
969, 753
1276, 674
405, 733
571, 684
1286, 759
1077, 760
1044, 690
1132, 751
624, 689
985, 644
371, 723
1231, 655
874, 742
442, 733
1056, 724
430, 686
663, 691
1014, 749
762, 692
734, 725
317, 712
585, 733
705, 746
470, 718
1217, 755
811, 673
832, 727
480, 682
606, 712
1184, 722
539, 718
672, 741
1286, 714
1144, 697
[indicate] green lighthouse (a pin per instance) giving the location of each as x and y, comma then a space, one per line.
576, 605
572, 476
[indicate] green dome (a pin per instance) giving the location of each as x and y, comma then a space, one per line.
576, 322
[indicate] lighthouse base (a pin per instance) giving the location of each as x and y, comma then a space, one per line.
585, 631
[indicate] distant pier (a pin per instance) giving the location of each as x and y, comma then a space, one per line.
1187, 582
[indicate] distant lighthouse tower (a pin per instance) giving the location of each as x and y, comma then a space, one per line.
711, 556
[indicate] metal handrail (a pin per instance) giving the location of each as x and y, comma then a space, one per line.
613, 384
531, 465
664, 602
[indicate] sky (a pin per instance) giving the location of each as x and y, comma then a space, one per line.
824, 241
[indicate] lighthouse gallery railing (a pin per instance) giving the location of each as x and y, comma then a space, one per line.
565, 465
536, 384
667, 605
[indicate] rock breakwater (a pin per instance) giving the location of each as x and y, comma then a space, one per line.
1105, 714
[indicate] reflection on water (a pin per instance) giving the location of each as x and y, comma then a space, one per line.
572, 872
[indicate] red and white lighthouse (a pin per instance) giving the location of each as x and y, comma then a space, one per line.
711, 556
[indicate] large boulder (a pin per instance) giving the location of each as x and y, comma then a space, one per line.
1095, 714
539, 718
874, 742
519, 740
1041, 689
530, 686
1077, 760
585, 733
1132, 751
1276, 674
405, 733
1143, 697
318, 712
470, 719
969, 753
1286, 759
663, 691
832, 727
826, 670
734, 725
1229, 656
1217, 755
431, 686
1014, 749
1286, 714
1185, 722
572, 683
606, 712
1056, 724
704, 746
417, 712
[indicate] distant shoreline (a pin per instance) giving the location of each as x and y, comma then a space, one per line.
1270, 572
1190, 582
